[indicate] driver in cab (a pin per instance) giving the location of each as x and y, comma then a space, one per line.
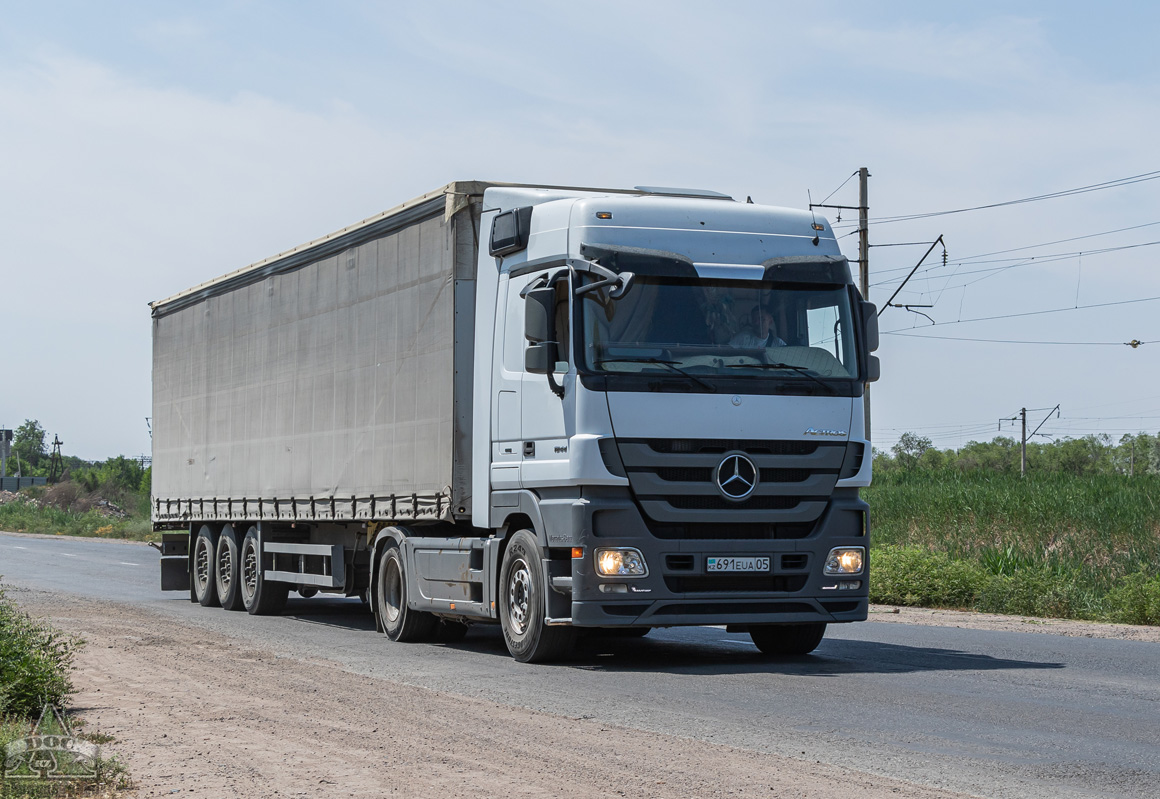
760, 333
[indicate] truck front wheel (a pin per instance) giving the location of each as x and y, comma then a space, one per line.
398, 621
203, 565
522, 605
788, 639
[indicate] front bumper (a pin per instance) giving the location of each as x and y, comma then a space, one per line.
679, 590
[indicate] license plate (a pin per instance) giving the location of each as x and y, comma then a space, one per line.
737, 564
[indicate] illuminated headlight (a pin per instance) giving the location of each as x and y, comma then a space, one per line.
845, 560
620, 563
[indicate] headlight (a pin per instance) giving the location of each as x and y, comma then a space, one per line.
620, 563
845, 560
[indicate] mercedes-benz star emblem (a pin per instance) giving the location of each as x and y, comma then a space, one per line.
736, 476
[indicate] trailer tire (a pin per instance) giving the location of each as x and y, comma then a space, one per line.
202, 562
400, 622
788, 639
259, 597
227, 571
523, 605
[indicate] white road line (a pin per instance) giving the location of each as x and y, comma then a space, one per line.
127, 563
20, 547
67, 555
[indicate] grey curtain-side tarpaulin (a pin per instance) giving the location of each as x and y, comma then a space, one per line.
330, 382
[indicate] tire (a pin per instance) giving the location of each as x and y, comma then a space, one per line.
522, 605
400, 622
201, 567
260, 598
788, 639
227, 571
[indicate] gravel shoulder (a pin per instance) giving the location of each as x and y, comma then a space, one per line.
1022, 624
197, 714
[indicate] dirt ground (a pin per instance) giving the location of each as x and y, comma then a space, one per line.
247, 723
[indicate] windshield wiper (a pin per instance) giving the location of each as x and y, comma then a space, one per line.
669, 364
801, 370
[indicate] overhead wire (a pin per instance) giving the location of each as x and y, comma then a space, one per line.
1109, 184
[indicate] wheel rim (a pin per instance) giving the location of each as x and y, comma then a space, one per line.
225, 567
202, 566
392, 591
250, 571
519, 596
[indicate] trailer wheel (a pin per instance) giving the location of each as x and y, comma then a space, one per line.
259, 597
788, 639
202, 569
227, 570
523, 606
399, 622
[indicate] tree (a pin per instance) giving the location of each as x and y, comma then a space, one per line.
28, 443
910, 448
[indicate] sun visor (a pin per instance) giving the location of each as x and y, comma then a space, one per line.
829, 269
639, 260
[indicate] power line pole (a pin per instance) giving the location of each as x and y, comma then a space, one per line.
1023, 448
1022, 416
864, 265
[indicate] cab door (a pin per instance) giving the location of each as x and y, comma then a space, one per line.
506, 422
544, 430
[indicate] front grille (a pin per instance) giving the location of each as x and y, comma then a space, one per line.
727, 532
723, 445
733, 583
675, 483
700, 502
697, 475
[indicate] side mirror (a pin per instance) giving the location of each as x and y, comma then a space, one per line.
540, 358
870, 325
539, 315
873, 368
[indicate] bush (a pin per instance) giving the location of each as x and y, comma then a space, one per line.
1136, 600
35, 662
918, 577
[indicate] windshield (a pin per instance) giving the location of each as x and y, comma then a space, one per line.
726, 328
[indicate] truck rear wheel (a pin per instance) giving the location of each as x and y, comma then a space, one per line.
202, 567
259, 597
227, 569
523, 607
398, 621
788, 639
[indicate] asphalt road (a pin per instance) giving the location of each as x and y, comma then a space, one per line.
999, 714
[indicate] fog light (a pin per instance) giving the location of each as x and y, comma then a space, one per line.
613, 588
620, 563
845, 560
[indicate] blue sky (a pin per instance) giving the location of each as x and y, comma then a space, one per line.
150, 146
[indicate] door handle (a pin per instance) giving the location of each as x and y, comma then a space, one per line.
529, 449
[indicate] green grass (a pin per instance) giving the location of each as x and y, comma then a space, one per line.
36, 662
1045, 545
24, 517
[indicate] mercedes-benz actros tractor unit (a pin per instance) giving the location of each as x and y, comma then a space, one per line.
545, 407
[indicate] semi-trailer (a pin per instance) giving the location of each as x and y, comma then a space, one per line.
551, 408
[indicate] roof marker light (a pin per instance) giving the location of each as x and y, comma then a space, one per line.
604, 215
